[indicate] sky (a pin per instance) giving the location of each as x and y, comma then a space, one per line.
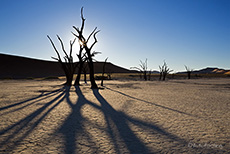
195, 33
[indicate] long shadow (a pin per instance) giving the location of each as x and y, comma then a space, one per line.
164, 107
73, 130
40, 97
21, 129
122, 120
73, 127
132, 142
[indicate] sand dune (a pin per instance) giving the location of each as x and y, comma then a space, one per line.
20, 67
179, 116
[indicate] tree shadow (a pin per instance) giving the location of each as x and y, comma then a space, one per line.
30, 101
118, 130
118, 120
21, 129
76, 132
121, 122
161, 106
73, 126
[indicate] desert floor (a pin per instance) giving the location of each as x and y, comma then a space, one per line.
176, 116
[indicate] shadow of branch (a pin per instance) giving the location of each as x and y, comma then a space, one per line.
161, 106
21, 129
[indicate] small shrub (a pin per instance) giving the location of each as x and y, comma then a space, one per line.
99, 77
7, 78
51, 78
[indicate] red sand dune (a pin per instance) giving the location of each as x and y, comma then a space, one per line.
21, 67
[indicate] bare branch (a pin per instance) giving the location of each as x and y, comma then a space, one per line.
94, 53
62, 45
83, 20
55, 58
59, 57
77, 29
71, 46
80, 35
188, 69
95, 39
91, 34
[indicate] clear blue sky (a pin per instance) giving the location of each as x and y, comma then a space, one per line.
195, 33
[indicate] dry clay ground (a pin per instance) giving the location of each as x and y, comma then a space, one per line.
177, 116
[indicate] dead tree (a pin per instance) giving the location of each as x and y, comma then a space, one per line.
68, 66
189, 71
143, 69
84, 42
161, 72
84, 70
82, 58
103, 72
164, 71
109, 75
149, 74
82, 67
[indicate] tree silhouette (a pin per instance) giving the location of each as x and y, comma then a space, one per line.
103, 72
84, 42
164, 71
68, 66
189, 71
149, 74
82, 58
142, 69
84, 70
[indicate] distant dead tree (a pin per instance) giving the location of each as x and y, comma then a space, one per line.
84, 70
84, 42
164, 71
161, 72
103, 72
68, 66
109, 75
189, 71
149, 74
142, 69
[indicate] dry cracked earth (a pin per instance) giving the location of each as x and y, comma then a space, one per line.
177, 116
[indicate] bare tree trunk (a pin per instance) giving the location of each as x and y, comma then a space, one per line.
145, 75
161, 71
83, 41
85, 77
189, 75
91, 72
84, 69
164, 76
143, 69
103, 72
189, 71
164, 71
77, 80
160, 76
68, 66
